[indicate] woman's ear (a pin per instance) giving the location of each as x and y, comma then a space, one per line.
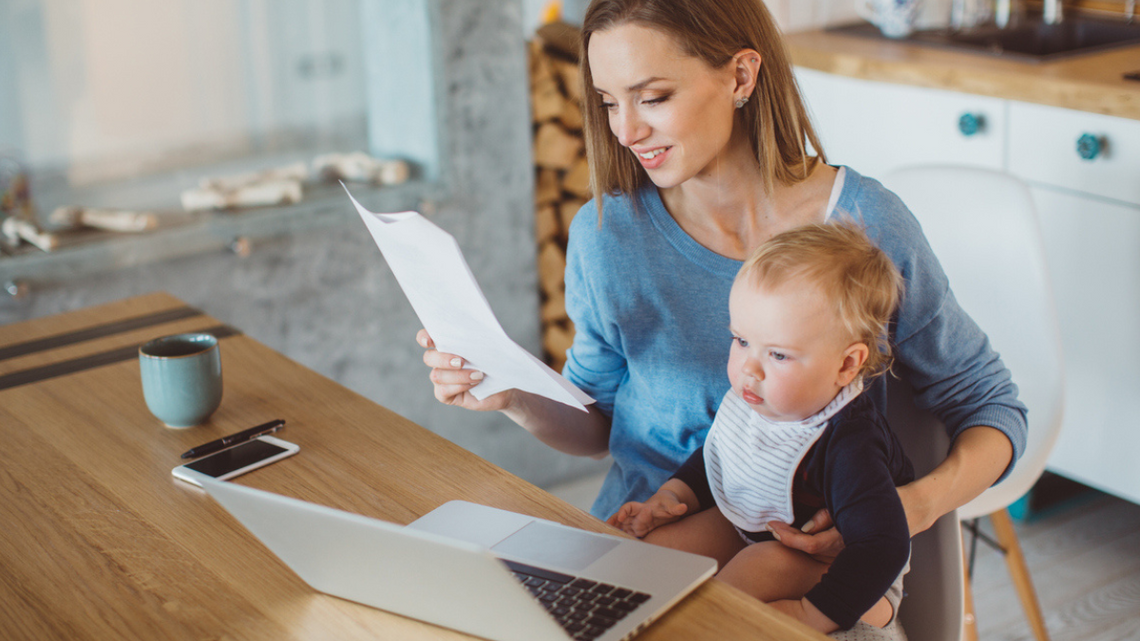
746, 68
853, 358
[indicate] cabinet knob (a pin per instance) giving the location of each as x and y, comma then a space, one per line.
970, 124
1089, 146
17, 288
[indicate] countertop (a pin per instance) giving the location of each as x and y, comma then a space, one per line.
1091, 82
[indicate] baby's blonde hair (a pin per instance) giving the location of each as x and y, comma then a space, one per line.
858, 279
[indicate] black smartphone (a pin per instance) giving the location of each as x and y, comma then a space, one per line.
236, 460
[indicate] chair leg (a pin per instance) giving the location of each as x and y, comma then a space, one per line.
1019, 572
969, 621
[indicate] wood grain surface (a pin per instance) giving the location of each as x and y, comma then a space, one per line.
1093, 82
99, 541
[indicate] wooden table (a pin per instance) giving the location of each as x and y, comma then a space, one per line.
98, 541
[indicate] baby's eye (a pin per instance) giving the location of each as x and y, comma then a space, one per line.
778, 356
740, 341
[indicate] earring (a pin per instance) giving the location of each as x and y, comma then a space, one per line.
741, 102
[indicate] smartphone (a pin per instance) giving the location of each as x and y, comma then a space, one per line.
237, 460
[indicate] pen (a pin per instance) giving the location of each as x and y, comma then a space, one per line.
226, 441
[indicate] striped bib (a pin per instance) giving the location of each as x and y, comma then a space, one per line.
751, 461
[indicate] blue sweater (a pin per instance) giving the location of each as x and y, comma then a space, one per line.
650, 311
852, 470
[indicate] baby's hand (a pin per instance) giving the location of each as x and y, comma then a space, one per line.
640, 519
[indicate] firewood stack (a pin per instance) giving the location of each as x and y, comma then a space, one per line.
562, 177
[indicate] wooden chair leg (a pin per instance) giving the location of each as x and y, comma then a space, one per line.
1019, 572
969, 622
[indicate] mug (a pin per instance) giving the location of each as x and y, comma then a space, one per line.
894, 18
181, 378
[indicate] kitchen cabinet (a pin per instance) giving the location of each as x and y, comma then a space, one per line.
1084, 172
1089, 153
877, 127
1091, 248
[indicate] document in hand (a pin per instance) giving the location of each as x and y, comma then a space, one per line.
435, 277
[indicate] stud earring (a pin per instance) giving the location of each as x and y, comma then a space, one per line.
741, 102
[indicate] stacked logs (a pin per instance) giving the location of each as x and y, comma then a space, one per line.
562, 177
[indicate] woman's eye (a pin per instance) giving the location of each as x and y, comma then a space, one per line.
655, 101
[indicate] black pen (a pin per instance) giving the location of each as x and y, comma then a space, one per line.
232, 439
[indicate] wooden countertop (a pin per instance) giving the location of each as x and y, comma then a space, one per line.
1092, 82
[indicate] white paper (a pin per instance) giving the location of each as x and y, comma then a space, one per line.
435, 277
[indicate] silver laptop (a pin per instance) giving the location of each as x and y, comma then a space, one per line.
480, 570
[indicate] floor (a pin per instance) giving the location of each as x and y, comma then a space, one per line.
1083, 555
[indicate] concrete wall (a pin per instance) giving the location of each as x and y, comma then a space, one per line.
326, 298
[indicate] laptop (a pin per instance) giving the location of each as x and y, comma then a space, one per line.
487, 572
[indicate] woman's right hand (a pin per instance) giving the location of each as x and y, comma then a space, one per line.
453, 383
565, 428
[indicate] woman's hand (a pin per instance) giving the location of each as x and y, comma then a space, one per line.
453, 383
818, 538
640, 519
565, 428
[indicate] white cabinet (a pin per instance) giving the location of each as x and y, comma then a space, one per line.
1046, 146
877, 127
1094, 265
1090, 217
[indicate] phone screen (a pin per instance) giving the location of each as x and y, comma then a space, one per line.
235, 458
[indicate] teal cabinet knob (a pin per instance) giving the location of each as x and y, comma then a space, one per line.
1089, 146
971, 124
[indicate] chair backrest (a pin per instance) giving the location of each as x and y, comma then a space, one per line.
983, 228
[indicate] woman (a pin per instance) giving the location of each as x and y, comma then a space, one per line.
697, 137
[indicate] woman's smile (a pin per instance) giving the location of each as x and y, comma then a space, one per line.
652, 158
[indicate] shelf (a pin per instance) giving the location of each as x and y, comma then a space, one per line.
204, 232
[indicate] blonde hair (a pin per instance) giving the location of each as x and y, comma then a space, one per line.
774, 118
854, 275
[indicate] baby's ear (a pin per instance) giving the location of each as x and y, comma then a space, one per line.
853, 358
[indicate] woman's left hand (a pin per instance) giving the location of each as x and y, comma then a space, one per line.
818, 538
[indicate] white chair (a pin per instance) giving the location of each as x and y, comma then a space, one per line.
983, 228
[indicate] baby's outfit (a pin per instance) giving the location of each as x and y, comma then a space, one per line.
843, 458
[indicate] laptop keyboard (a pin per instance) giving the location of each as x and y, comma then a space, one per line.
584, 608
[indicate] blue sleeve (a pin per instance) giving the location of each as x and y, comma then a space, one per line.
939, 350
860, 493
595, 361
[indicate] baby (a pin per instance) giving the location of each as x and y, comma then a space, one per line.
808, 313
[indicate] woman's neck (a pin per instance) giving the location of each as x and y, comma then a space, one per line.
727, 210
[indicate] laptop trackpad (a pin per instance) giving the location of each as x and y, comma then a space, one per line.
543, 544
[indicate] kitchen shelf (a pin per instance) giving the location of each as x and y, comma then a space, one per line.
204, 232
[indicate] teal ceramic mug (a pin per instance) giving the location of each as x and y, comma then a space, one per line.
181, 378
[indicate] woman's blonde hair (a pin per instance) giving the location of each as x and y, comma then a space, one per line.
774, 118
858, 279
